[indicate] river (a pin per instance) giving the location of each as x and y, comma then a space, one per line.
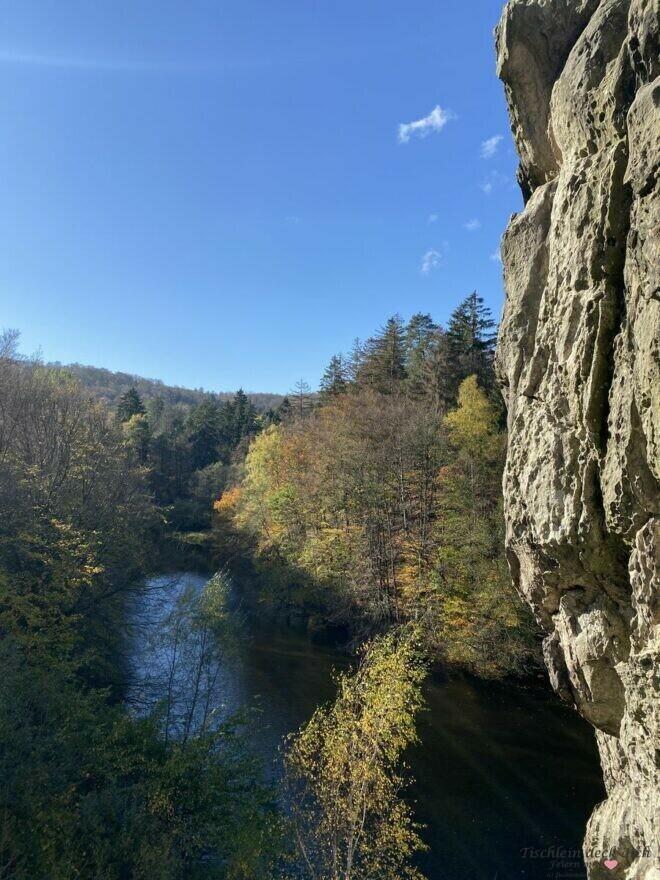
505, 775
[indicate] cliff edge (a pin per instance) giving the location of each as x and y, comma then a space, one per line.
579, 364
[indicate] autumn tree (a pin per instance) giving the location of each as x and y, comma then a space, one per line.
343, 772
477, 620
88, 789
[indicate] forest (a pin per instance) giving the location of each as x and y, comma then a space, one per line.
369, 508
379, 502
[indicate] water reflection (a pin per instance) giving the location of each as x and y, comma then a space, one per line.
501, 771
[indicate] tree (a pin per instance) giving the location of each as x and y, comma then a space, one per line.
204, 433
384, 364
242, 417
471, 342
342, 770
475, 617
155, 411
335, 378
355, 360
420, 335
137, 433
436, 379
88, 789
284, 411
130, 404
302, 395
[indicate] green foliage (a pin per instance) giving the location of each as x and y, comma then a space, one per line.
383, 363
86, 789
343, 777
130, 404
477, 620
421, 336
471, 342
335, 378
137, 433
108, 386
204, 431
383, 504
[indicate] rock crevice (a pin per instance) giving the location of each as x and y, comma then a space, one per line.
579, 364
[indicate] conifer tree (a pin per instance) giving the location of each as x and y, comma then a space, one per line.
204, 433
355, 360
130, 404
243, 417
284, 410
420, 335
302, 394
384, 366
335, 379
471, 343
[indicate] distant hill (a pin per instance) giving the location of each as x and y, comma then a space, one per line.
108, 386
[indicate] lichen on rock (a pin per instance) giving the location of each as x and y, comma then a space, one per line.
579, 364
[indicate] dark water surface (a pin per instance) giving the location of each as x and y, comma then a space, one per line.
506, 776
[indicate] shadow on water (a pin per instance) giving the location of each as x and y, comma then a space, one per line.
505, 776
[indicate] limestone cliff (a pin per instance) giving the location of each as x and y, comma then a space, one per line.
579, 364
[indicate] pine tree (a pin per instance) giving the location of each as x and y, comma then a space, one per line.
420, 335
204, 433
471, 343
335, 378
130, 404
355, 361
435, 373
384, 366
243, 417
302, 393
284, 410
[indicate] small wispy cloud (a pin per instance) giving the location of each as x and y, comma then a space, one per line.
433, 258
294, 219
101, 64
489, 147
494, 180
435, 121
433, 218
472, 225
495, 256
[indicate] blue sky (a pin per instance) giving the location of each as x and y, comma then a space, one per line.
221, 193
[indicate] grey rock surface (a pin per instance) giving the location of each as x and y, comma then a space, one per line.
579, 364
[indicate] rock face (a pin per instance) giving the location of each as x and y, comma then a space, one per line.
579, 364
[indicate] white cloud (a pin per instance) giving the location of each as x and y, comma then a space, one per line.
430, 260
433, 218
495, 256
435, 121
100, 64
489, 147
433, 259
494, 180
472, 225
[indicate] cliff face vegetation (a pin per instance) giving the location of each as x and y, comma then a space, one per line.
579, 364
